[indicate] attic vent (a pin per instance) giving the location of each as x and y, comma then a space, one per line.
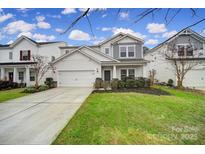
67, 51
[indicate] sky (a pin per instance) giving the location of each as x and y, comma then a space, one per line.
48, 24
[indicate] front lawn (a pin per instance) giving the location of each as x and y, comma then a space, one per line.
134, 118
6, 95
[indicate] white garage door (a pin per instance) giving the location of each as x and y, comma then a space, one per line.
78, 78
195, 78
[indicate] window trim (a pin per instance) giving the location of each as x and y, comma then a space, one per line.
127, 72
19, 76
126, 46
10, 55
105, 51
185, 49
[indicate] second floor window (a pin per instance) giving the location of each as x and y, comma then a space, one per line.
185, 50
10, 55
127, 51
25, 55
181, 50
107, 51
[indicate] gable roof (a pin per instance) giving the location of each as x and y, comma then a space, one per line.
28, 39
130, 36
183, 31
113, 37
86, 54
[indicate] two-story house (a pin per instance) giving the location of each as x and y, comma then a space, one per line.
117, 57
16, 59
186, 44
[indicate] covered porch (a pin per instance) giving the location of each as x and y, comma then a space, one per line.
121, 70
17, 73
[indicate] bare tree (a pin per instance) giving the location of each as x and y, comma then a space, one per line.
152, 74
41, 67
168, 15
182, 59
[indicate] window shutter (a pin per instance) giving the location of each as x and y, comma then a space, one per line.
21, 55
29, 54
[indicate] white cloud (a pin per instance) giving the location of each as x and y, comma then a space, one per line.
97, 40
106, 28
40, 18
1, 36
41, 23
43, 38
59, 30
38, 37
18, 26
169, 34
68, 11
128, 31
28, 34
152, 42
54, 16
104, 15
10, 42
23, 10
79, 35
124, 15
156, 28
5, 17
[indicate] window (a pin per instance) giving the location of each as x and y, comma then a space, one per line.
67, 51
131, 51
123, 74
127, 73
107, 51
189, 50
32, 76
10, 55
131, 73
123, 52
181, 50
21, 76
25, 55
127, 51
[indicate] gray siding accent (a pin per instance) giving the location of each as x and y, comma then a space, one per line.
138, 50
184, 39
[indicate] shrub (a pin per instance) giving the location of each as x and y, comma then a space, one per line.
140, 82
105, 85
43, 88
49, 82
8, 85
130, 83
147, 83
170, 83
114, 84
30, 89
98, 83
121, 84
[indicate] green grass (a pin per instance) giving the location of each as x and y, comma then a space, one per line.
133, 118
6, 95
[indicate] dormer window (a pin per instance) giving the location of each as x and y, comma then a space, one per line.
107, 51
189, 50
185, 50
25, 55
181, 50
127, 51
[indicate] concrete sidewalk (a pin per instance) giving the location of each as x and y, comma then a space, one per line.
39, 118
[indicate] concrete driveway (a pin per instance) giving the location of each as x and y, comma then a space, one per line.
39, 118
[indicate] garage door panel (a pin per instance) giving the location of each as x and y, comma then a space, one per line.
76, 78
195, 78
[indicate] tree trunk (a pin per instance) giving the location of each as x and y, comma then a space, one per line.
36, 84
180, 84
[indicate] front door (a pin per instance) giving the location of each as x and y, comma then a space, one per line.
11, 76
107, 76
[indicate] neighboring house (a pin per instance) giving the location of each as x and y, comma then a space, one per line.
16, 59
189, 45
117, 57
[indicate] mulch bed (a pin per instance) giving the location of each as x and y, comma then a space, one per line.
152, 91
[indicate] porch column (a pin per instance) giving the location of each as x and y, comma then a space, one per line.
114, 72
27, 76
2, 73
15, 75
